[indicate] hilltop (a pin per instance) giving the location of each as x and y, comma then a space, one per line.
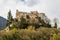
29, 26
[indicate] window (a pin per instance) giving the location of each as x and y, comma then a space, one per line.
27, 16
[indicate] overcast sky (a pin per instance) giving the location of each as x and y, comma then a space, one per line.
50, 7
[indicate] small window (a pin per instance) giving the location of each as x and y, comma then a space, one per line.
27, 16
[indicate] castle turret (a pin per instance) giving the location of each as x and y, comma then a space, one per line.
16, 13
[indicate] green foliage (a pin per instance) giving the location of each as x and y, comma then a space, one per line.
9, 18
55, 25
44, 23
31, 28
31, 34
55, 37
23, 23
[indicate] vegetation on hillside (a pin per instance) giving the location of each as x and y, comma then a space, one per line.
31, 34
23, 23
26, 30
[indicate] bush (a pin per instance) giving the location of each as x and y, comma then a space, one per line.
31, 34
55, 37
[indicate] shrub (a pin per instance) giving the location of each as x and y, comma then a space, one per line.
31, 34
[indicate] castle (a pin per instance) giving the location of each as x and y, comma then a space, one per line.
32, 15
32, 18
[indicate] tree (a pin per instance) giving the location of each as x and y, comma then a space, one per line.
9, 18
55, 22
23, 23
44, 20
48, 23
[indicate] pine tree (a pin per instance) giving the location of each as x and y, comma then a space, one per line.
9, 18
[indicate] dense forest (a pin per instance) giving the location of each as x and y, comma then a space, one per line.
26, 30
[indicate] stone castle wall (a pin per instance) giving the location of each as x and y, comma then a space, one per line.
32, 14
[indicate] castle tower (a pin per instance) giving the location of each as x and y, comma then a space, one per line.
16, 13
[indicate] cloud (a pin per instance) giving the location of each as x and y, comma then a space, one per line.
1, 2
22, 0
53, 8
30, 2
